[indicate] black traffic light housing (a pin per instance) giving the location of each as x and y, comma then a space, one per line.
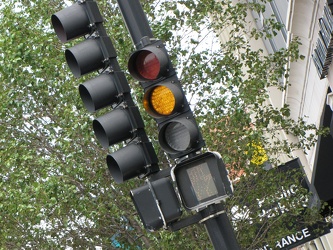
157, 204
90, 55
81, 19
109, 88
150, 63
77, 20
202, 180
165, 100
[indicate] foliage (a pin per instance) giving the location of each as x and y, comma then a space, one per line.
55, 189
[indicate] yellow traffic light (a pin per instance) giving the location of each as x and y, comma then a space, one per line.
161, 100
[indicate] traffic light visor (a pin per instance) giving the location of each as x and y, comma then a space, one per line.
127, 163
85, 57
99, 92
113, 127
136, 159
71, 22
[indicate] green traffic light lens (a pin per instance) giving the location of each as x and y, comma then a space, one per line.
177, 136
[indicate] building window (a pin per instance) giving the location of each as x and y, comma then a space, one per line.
323, 52
273, 9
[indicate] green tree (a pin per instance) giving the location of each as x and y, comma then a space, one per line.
55, 190
231, 84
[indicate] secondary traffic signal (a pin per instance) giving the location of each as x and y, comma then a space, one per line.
78, 20
164, 99
109, 88
157, 203
202, 180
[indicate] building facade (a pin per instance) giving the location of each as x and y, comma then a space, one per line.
309, 93
311, 81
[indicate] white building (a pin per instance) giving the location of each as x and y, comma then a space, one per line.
311, 82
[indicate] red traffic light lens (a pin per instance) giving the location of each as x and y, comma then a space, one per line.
150, 63
147, 65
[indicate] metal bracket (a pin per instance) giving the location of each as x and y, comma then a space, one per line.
212, 216
157, 203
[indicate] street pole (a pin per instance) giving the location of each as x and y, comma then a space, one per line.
135, 19
219, 228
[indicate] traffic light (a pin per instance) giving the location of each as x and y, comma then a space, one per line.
109, 88
78, 20
157, 204
202, 180
164, 99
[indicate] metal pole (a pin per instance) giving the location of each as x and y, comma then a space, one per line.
135, 19
219, 229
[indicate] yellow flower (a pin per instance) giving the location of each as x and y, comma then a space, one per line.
259, 155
